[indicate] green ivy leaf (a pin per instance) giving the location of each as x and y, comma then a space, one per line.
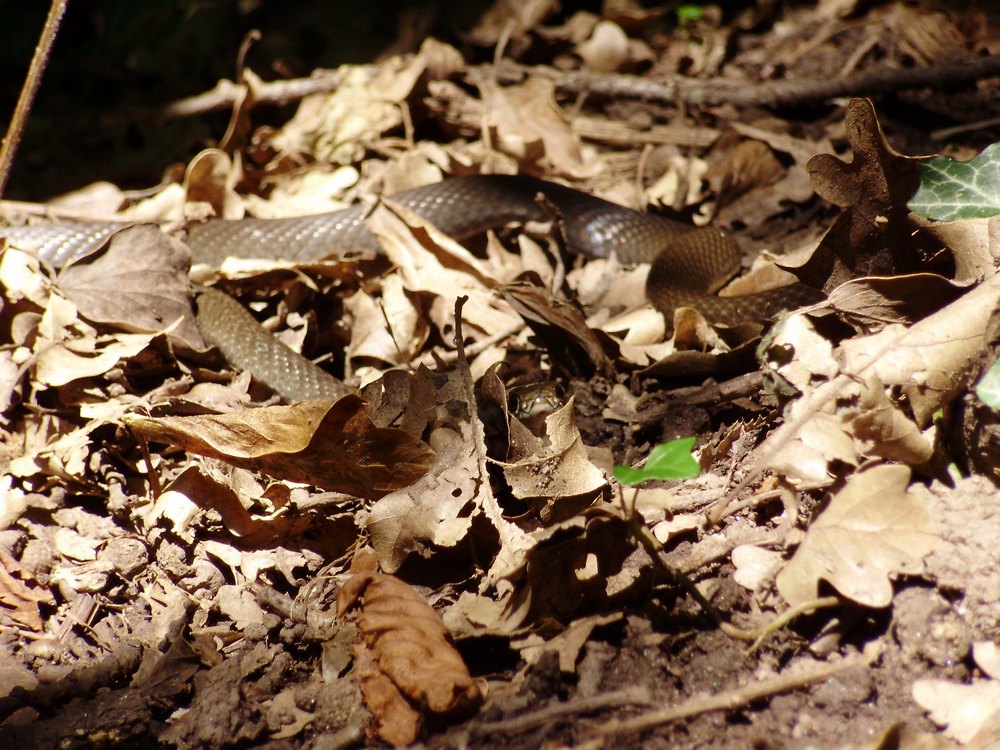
671, 460
988, 388
952, 189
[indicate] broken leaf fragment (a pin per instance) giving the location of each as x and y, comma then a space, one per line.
872, 528
332, 445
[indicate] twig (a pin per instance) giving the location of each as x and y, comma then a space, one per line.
226, 94
541, 717
718, 702
680, 89
8, 149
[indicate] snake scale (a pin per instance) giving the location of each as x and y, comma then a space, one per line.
687, 263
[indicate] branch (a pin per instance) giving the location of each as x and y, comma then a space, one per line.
675, 89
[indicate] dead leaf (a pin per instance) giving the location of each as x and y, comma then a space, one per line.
404, 643
872, 528
68, 349
531, 127
510, 19
559, 323
193, 489
139, 283
558, 473
330, 445
961, 709
20, 595
872, 237
974, 243
439, 509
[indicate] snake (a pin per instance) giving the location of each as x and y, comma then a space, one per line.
687, 264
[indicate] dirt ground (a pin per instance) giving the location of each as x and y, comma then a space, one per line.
186, 563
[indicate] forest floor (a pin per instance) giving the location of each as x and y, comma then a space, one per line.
185, 562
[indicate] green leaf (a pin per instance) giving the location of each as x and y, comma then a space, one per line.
988, 389
671, 460
688, 13
952, 189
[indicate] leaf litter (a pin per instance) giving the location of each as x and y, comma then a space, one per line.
511, 571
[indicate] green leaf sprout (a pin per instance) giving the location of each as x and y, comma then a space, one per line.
671, 460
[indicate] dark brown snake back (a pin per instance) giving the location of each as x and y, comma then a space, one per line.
687, 264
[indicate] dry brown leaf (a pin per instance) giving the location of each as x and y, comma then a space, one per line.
974, 244
193, 489
338, 127
209, 180
884, 431
961, 709
929, 360
20, 595
438, 511
558, 323
67, 349
607, 49
429, 261
567, 644
408, 646
390, 330
513, 20
138, 283
532, 128
871, 529
559, 474
872, 237
870, 303
330, 445
835, 421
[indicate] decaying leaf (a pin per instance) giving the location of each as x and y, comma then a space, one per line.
20, 595
138, 283
405, 658
853, 413
439, 509
193, 489
330, 445
872, 237
871, 529
558, 473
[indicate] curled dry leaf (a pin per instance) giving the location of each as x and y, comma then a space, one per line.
871, 529
961, 709
20, 595
439, 510
853, 415
558, 471
405, 657
334, 446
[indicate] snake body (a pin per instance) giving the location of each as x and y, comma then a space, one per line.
687, 264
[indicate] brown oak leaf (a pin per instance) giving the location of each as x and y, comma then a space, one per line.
873, 235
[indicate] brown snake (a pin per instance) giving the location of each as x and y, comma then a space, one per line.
687, 263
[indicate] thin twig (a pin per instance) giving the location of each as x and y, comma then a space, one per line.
526, 722
681, 89
719, 702
8, 149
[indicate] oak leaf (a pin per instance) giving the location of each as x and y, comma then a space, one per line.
872, 528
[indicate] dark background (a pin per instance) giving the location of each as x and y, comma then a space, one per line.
113, 56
